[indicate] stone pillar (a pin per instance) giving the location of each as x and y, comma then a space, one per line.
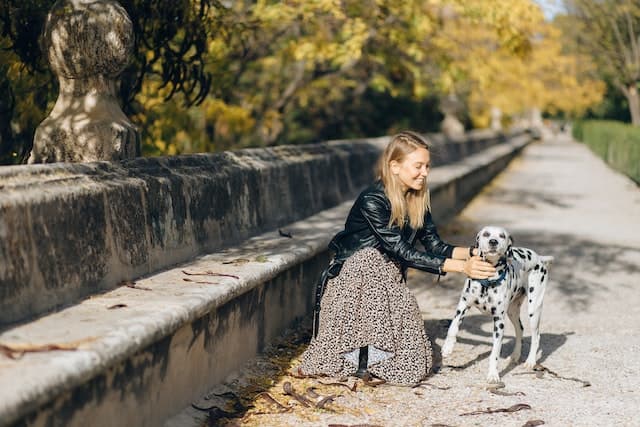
451, 127
496, 119
88, 44
535, 117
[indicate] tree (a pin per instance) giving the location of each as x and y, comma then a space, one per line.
609, 31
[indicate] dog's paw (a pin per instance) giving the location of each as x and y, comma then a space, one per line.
447, 348
493, 378
529, 364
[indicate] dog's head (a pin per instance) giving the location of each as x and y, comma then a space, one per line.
493, 243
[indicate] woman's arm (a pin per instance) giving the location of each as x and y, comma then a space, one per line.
459, 259
463, 252
376, 213
473, 267
430, 239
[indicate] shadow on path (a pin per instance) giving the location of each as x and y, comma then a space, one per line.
478, 326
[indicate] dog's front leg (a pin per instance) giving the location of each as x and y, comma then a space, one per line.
449, 342
498, 333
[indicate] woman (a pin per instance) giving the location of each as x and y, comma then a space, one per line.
368, 320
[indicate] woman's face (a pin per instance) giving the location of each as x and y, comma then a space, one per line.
413, 169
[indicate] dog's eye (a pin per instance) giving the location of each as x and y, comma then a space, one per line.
486, 234
502, 236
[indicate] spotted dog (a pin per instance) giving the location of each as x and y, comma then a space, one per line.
520, 274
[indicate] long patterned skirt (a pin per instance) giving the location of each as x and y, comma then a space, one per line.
368, 304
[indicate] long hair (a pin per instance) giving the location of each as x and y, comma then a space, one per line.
412, 204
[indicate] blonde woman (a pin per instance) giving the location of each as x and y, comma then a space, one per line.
366, 319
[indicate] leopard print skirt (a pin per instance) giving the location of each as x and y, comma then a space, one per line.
368, 304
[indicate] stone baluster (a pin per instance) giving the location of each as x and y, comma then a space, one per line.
451, 126
496, 119
88, 44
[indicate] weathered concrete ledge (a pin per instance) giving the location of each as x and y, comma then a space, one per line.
144, 352
68, 231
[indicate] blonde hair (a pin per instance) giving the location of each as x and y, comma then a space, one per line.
414, 203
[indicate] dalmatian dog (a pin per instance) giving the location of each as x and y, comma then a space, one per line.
521, 274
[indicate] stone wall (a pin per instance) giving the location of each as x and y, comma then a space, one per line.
71, 230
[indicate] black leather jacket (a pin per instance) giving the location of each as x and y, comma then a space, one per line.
367, 226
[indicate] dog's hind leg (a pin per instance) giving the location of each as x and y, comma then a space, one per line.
449, 342
514, 315
538, 278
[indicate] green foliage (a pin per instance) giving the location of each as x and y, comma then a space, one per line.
212, 75
608, 31
617, 143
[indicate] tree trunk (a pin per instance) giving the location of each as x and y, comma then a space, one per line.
633, 98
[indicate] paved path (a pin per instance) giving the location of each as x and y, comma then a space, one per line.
561, 200
558, 199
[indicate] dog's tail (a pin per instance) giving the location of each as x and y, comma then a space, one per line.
546, 260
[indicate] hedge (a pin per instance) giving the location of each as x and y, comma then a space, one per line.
617, 143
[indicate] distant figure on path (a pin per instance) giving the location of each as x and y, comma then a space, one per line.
366, 320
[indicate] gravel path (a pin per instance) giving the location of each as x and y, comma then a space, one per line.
560, 200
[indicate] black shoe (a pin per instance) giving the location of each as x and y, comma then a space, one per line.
363, 363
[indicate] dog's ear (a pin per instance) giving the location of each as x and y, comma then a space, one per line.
478, 238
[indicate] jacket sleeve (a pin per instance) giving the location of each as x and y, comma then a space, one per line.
376, 213
430, 239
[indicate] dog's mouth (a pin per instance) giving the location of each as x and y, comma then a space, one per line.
491, 251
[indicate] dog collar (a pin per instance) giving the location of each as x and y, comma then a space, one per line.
494, 282
487, 283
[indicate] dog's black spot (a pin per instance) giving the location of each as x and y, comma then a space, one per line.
495, 291
529, 256
457, 312
530, 301
536, 267
477, 301
464, 298
502, 312
493, 310
484, 308
496, 318
530, 314
543, 270
501, 325
531, 289
495, 329
497, 334
520, 323
489, 300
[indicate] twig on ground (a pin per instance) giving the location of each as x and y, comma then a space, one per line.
514, 408
209, 273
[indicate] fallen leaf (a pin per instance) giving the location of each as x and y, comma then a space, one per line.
15, 351
113, 307
284, 234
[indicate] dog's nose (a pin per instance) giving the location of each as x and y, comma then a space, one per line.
493, 242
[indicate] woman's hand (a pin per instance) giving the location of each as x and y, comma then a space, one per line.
475, 268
